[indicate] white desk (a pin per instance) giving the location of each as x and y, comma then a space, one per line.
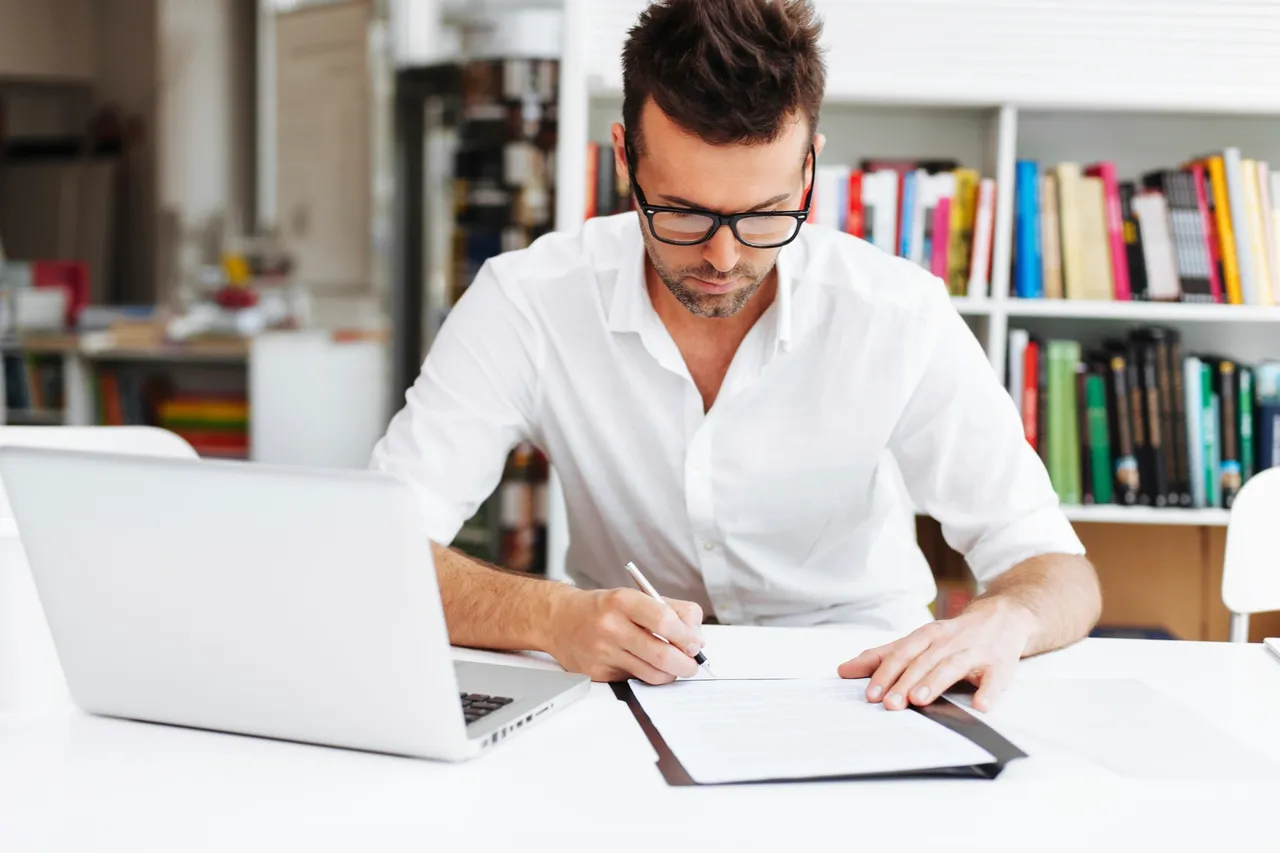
585, 779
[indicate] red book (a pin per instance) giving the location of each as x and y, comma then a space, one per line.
1210, 229
1030, 392
855, 216
1115, 226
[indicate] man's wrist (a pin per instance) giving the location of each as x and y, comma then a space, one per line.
1020, 619
549, 603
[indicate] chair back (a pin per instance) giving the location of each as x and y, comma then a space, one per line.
1251, 564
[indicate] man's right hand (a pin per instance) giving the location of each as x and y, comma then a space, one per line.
608, 635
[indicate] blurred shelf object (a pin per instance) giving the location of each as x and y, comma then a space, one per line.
310, 397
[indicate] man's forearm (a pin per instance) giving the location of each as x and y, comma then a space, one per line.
487, 607
1061, 593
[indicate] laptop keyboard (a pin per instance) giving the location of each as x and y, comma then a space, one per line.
477, 705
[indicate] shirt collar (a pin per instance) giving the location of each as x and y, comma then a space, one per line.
630, 309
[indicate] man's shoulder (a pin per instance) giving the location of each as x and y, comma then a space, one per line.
850, 268
597, 245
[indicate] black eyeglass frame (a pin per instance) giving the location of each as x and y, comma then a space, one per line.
719, 220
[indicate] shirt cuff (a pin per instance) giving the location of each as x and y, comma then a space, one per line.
1045, 531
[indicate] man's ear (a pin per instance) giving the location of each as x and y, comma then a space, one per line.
819, 140
618, 136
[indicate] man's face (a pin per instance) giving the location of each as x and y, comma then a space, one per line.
715, 278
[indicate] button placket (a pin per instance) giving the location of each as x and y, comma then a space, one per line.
699, 495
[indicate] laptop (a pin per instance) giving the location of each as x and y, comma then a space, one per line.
287, 603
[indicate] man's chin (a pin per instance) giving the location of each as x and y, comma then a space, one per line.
714, 306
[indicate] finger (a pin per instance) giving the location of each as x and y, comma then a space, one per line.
660, 655
994, 680
904, 690
690, 613
863, 665
658, 618
898, 656
642, 670
942, 678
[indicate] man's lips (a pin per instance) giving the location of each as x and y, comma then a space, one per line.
715, 286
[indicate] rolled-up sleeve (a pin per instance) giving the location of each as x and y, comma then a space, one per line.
473, 401
964, 457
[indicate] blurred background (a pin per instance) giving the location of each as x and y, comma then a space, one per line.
244, 220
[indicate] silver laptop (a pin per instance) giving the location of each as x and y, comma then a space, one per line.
278, 602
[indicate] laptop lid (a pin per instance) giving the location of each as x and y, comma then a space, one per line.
281, 602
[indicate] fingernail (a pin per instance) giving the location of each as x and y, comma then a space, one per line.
922, 693
874, 691
692, 649
894, 699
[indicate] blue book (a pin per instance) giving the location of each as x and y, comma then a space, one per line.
1028, 265
909, 190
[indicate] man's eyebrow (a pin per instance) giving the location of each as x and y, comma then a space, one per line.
682, 202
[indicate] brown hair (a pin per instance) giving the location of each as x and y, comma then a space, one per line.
728, 71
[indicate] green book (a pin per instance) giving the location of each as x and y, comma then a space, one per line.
1095, 393
1209, 431
1246, 423
1064, 432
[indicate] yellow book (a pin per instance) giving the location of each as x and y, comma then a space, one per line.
1073, 272
964, 205
1050, 237
1091, 212
1226, 236
1257, 236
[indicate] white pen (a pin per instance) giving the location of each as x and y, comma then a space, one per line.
644, 584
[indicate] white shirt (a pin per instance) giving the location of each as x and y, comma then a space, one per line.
779, 506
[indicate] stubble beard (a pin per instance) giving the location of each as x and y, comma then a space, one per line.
710, 305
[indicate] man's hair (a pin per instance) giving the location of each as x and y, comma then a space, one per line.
727, 71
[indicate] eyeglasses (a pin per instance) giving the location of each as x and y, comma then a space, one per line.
687, 226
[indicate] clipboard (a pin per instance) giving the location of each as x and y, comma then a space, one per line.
942, 711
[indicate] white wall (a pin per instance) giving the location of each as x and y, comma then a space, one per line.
206, 123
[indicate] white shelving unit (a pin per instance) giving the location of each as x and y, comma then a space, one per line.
314, 400
1146, 84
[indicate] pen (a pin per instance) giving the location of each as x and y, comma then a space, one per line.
644, 584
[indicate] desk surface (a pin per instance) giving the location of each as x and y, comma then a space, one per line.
70, 781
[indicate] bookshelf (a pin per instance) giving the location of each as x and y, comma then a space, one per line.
300, 397
989, 83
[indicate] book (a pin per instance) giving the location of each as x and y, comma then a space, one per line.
1137, 264
1195, 434
1027, 265
1120, 423
1233, 175
1106, 172
1050, 237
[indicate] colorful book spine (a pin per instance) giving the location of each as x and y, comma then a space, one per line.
1245, 405
1195, 432
1028, 267
964, 207
1227, 245
1115, 227
1099, 437
1238, 206
1209, 228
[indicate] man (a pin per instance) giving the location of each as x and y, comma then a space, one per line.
722, 389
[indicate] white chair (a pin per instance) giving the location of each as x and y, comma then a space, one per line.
30, 675
1251, 566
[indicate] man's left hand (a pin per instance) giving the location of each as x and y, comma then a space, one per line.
983, 644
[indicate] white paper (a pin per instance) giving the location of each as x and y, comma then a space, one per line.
735, 652
737, 731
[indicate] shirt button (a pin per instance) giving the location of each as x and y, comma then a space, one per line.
710, 546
